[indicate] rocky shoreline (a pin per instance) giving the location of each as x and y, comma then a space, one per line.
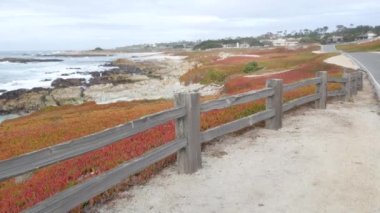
66, 91
127, 80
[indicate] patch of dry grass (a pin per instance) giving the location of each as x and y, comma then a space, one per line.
364, 47
211, 69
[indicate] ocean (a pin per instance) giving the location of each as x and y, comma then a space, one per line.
7, 117
41, 74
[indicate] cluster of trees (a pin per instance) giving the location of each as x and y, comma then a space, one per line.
321, 34
351, 33
318, 35
209, 44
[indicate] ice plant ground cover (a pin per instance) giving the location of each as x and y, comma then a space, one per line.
58, 124
212, 68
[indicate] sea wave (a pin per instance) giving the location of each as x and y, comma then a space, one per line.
15, 76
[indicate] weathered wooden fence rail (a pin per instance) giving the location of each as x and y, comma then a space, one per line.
188, 140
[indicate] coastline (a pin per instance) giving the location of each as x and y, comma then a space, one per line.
150, 77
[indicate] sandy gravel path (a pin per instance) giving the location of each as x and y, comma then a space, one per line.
321, 161
342, 60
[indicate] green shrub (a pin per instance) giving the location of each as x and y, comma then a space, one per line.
207, 45
213, 76
251, 67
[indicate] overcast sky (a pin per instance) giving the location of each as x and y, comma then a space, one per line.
85, 24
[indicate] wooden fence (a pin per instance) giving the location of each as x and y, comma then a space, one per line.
188, 140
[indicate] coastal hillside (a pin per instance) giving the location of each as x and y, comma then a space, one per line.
56, 124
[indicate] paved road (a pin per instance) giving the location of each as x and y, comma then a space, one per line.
370, 62
328, 48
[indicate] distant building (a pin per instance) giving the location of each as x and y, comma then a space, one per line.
282, 42
335, 39
368, 35
245, 45
229, 45
237, 45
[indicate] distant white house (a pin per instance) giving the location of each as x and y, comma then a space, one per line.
237, 45
282, 42
244, 45
335, 39
368, 35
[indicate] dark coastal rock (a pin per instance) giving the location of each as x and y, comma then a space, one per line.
108, 65
115, 76
28, 60
13, 94
95, 74
70, 82
39, 89
115, 80
2, 90
23, 100
83, 72
130, 69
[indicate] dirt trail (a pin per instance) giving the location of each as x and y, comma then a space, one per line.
320, 161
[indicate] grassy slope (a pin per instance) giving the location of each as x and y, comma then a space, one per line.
213, 70
243, 83
364, 47
58, 124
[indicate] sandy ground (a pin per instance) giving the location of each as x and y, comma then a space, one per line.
320, 161
318, 52
266, 73
151, 88
342, 60
224, 55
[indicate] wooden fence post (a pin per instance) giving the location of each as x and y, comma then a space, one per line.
322, 91
189, 158
275, 102
360, 80
347, 85
355, 84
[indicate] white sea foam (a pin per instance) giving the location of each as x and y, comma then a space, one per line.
26, 76
7, 117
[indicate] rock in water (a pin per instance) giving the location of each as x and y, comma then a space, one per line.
70, 82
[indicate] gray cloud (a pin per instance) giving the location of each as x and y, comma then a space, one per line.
73, 24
